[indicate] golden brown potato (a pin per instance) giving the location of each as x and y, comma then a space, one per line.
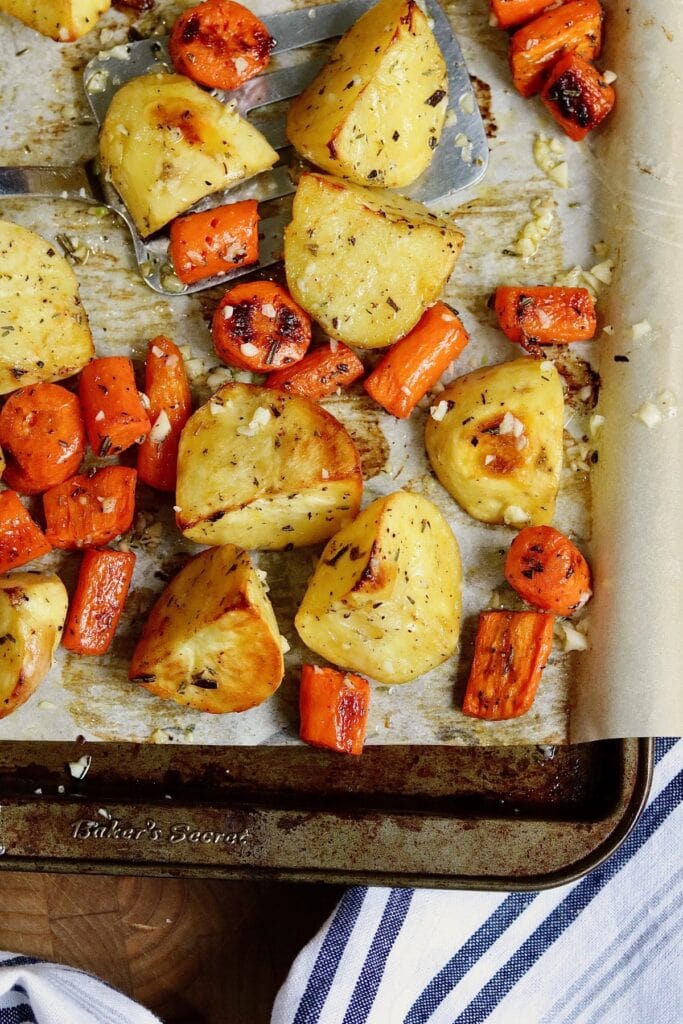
263, 469
32, 612
211, 641
64, 20
365, 263
385, 596
44, 332
375, 112
494, 439
165, 144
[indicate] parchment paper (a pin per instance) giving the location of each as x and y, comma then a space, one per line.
44, 119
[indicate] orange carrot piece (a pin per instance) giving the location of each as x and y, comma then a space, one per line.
415, 363
170, 402
21, 540
43, 437
511, 13
545, 315
510, 652
548, 571
219, 44
89, 511
333, 709
577, 96
96, 607
114, 415
215, 241
258, 326
319, 373
576, 26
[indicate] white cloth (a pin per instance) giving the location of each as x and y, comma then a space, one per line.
37, 992
604, 949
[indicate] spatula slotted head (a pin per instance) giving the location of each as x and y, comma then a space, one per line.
459, 160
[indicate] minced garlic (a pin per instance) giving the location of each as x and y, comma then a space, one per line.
548, 154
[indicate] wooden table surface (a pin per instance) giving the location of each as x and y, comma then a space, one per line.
193, 951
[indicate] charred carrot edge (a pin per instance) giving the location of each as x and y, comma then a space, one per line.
43, 437
170, 402
21, 540
114, 415
219, 44
95, 609
511, 13
510, 652
90, 511
534, 48
577, 96
548, 571
258, 326
545, 315
319, 373
214, 242
333, 708
415, 363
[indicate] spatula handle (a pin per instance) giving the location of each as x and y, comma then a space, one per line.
67, 182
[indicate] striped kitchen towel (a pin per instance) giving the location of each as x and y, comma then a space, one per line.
606, 948
34, 991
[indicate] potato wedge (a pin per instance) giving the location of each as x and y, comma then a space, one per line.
384, 599
63, 20
211, 641
375, 112
32, 612
44, 332
494, 440
165, 144
365, 263
263, 469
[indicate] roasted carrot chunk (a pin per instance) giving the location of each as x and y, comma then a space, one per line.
548, 571
21, 540
170, 404
219, 44
319, 373
545, 315
577, 96
89, 511
333, 708
258, 326
510, 652
510, 13
215, 241
415, 363
96, 607
114, 415
575, 26
43, 437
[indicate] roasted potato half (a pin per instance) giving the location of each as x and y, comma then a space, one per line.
32, 612
165, 144
211, 641
375, 112
263, 469
384, 599
365, 263
494, 439
63, 20
44, 332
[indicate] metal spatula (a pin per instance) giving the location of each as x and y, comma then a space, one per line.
459, 160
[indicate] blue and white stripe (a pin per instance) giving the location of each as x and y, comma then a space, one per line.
604, 949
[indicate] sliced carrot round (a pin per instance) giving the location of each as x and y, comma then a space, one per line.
42, 435
220, 44
548, 571
258, 326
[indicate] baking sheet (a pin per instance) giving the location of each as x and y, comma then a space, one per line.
49, 123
